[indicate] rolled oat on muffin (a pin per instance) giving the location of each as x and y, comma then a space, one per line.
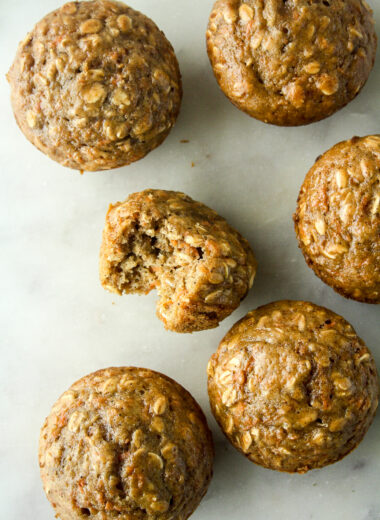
291, 62
293, 387
337, 220
95, 85
201, 267
125, 443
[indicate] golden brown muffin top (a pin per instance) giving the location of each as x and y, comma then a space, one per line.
291, 62
95, 85
338, 218
125, 443
292, 386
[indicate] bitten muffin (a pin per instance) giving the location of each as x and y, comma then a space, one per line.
201, 267
291, 62
338, 218
293, 387
125, 443
95, 85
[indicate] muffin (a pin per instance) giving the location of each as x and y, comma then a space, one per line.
291, 62
125, 443
293, 387
338, 218
95, 85
201, 267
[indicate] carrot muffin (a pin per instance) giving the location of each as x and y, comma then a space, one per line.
201, 267
293, 387
291, 62
95, 85
338, 218
125, 443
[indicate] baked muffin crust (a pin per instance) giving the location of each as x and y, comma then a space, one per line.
337, 220
95, 85
293, 387
125, 443
201, 267
291, 62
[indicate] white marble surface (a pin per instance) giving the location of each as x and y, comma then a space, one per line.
57, 323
